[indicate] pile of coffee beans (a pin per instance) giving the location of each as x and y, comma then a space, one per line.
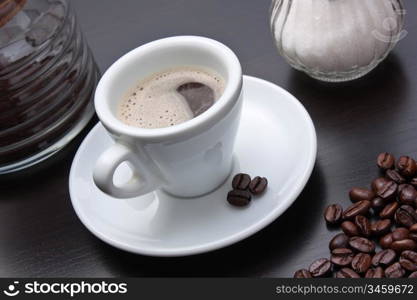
244, 187
379, 236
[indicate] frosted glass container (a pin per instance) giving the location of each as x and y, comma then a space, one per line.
336, 40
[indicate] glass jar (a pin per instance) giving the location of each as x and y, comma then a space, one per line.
47, 81
336, 40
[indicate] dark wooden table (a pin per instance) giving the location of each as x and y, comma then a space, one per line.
40, 235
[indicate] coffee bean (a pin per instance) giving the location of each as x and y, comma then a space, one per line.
341, 257
394, 271
239, 198
349, 228
389, 210
333, 214
363, 225
386, 241
320, 267
361, 262
303, 273
385, 161
408, 260
406, 166
359, 194
362, 244
381, 227
375, 273
413, 275
400, 234
384, 257
406, 216
413, 232
378, 183
408, 195
241, 181
258, 185
358, 208
377, 204
388, 190
346, 273
395, 176
393, 197
401, 187
402, 245
339, 241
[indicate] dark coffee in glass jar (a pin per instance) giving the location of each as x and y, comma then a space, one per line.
47, 81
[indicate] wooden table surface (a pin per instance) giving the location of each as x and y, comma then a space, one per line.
40, 235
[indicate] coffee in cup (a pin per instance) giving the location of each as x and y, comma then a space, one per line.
170, 97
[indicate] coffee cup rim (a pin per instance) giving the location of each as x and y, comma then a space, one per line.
220, 108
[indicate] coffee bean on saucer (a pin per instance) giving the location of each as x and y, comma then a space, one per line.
258, 185
395, 176
386, 241
361, 262
408, 195
303, 273
413, 233
386, 161
375, 273
402, 245
362, 244
387, 190
389, 210
358, 208
346, 273
408, 260
239, 198
341, 257
320, 267
413, 275
406, 215
333, 213
339, 241
381, 227
241, 181
359, 194
394, 271
406, 166
363, 225
384, 258
400, 233
350, 228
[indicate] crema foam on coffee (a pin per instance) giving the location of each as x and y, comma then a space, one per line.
170, 97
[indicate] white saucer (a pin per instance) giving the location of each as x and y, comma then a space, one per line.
276, 139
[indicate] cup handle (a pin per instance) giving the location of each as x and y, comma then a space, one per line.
141, 182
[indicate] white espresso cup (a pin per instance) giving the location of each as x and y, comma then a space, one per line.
185, 160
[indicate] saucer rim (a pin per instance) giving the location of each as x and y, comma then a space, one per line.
218, 243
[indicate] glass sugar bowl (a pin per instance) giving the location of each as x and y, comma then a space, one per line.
47, 81
336, 40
